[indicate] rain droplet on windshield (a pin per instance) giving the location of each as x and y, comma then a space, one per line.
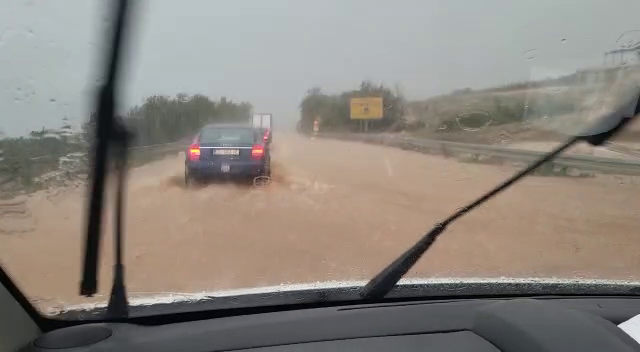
629, 39
563, 40
529, 54
52, 100
474, 120
19, 95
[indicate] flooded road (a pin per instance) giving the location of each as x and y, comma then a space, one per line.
335, 210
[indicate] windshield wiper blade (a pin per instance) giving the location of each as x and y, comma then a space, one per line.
111, 136
605, 128
118, 306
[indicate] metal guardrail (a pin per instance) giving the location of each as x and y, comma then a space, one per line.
160, 146
624, 150
582, 162
58, 170
178, 143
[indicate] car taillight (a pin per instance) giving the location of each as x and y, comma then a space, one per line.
257, 151
194, 152
266, 135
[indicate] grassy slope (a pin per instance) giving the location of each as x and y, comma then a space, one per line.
546, 111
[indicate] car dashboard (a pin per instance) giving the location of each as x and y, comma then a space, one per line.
491, 325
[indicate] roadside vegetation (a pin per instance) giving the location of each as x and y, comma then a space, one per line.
54, 157
534, 110
332, 110
542, 111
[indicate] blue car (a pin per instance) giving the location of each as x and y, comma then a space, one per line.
227, 151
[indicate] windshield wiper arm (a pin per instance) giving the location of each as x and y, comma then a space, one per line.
596, 135
111, 136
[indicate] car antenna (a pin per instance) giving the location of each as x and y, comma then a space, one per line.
380, 285
111, 136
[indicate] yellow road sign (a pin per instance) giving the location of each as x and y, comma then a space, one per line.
366, 108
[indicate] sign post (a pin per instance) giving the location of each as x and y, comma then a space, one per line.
366, 109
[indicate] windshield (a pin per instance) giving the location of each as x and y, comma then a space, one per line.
229, 135
383, 119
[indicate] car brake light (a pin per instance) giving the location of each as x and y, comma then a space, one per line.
194, 152
257, 151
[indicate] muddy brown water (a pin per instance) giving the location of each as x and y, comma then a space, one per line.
334, 210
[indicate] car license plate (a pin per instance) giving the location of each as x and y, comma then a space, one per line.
225, 168
226, 152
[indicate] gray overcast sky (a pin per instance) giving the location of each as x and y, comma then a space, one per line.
269, 52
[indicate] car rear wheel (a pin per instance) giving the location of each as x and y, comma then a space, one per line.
267, 169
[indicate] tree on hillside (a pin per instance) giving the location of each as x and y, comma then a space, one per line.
393, 102
29, 162
315, 105
162, 119
334, 110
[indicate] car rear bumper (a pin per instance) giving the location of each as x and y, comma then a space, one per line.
234, 168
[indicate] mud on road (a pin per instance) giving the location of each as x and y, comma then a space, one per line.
335, 210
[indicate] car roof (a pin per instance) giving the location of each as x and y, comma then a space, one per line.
227, 125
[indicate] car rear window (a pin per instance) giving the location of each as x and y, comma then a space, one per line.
227, 135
